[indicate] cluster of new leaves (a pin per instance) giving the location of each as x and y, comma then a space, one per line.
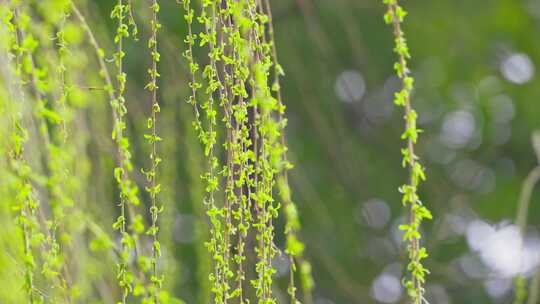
241, 56
418, 212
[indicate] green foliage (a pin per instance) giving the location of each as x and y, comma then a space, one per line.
48, 187
241, 129
293, 247
154, 187
24, 206
241, 55
128, 191
418, 212
69, 199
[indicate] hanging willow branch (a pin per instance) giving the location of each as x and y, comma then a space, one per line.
241, 58
154, 187
128, 190
418, 212
62, 202
39, 228
25, 205
208, 136
294, 246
